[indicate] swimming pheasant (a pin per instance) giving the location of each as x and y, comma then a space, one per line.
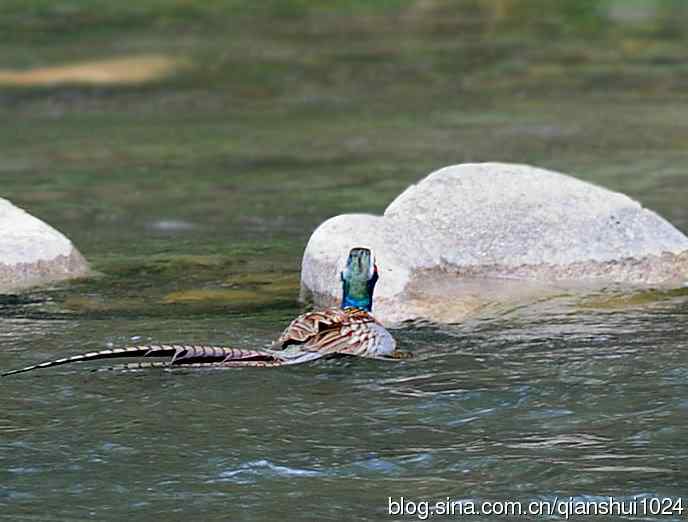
347, 330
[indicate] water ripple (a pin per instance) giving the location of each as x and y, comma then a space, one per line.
249, 472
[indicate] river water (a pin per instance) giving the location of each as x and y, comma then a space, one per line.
193, 197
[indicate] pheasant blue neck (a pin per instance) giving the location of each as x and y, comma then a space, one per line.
358, 294
363, 304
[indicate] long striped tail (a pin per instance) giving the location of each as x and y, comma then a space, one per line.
186, 355
237, 359
138, 365
164, 365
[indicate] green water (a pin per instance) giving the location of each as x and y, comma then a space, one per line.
193, 196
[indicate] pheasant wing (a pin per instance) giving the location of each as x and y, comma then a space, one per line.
328, 331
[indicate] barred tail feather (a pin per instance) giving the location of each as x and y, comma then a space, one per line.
180, 355
195, 366
132, 351
139, 365
246, 359
212, 354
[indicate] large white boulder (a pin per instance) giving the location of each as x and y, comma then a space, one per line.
32, 252
468, 231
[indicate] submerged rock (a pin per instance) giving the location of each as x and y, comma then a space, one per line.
32, 252
496, 229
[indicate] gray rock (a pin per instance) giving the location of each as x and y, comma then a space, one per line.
472, 230
32, 252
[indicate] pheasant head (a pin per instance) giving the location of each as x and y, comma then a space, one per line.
358, 279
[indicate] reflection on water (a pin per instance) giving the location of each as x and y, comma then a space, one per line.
195, 194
